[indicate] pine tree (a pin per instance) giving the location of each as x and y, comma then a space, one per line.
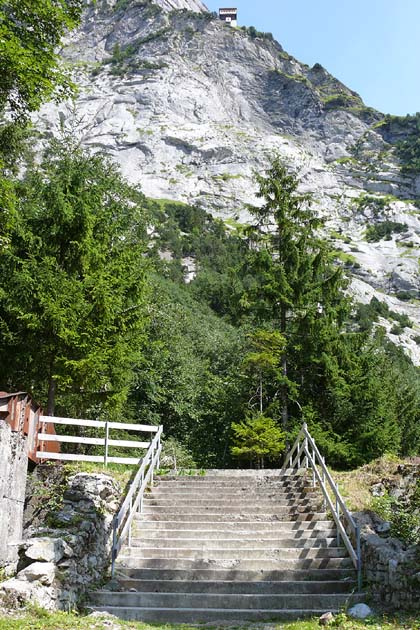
72, 282
297, 288
257, 438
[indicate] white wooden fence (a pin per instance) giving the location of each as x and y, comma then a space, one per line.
44, 438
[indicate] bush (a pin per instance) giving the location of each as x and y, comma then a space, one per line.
404, 518
175, 455
257, 438
396, 329
384, 230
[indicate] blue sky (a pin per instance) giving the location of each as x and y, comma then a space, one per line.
373, 46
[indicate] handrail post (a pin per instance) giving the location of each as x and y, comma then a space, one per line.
337, 510
298, 450
305, 447
114, 547
359, 559
313, 460
129, 530
140, 506
324, 504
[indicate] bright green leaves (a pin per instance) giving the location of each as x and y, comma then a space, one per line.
257, 438
30, 31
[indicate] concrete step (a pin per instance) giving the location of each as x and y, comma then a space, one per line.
235, 575
248, 482
198, 553
212, 615
230, 587
233, 484
243, 525
244, 564
302, 601
239, 503
236, 545
150, 505
243, 493
223, 516
239, 534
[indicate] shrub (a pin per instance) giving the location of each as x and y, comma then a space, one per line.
384, 230
257, 438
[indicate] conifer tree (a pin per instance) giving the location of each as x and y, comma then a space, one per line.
297, 287
72, 282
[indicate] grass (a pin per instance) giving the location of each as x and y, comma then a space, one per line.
119, 472
38, 619
355, 485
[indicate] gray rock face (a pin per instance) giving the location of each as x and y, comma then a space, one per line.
190, 108
191, 5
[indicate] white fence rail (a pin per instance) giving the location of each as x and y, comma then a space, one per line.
105, 441
305, 452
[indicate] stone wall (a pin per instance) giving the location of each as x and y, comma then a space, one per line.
64, 557
390, 568
13, 472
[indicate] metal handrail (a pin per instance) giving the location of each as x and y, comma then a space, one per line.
133, 502
306, 451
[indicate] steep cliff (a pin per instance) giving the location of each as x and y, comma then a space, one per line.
190, 107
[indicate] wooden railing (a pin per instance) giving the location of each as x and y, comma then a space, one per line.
44, 438
133, 502
305, 453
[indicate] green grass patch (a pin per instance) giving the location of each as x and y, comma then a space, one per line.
38, 619
347, 259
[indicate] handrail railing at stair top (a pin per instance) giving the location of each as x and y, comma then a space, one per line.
133, 502
305, 449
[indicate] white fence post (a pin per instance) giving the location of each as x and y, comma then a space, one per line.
106, 444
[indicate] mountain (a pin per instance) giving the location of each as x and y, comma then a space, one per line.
190, 108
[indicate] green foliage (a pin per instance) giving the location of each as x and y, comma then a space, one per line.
189, 380
294, 286
404, 516
340, 101
257, 438
367, 314
175, 455
30, 31
384, 230
72, 281
254, 34
404, 133
190, 231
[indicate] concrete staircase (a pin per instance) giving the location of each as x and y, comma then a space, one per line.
249, 546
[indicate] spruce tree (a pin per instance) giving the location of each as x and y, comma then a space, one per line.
297, 289
73, 284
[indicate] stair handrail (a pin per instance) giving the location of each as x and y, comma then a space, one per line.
133, 502
305, 448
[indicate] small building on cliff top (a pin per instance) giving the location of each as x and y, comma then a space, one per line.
229, 15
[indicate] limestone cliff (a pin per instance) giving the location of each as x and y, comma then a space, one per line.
190, 107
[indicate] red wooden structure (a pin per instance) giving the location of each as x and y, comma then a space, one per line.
25, 416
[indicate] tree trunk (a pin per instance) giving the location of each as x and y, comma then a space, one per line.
52, 387
284, 398
261, 394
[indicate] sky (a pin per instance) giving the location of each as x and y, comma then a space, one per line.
372, 46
